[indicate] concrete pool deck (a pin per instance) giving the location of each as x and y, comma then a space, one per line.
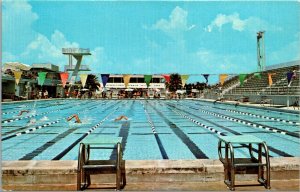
200, 174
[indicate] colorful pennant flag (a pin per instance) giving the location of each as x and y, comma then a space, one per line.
242, 78
222, 78
270, 78
18, 75
41, 78
289, 78
206, 77
64, 77
126, 79
104, 78
147, 79
184, 78
257, 75
167, 78
83, 78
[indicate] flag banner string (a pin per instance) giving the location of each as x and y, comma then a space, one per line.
161, 74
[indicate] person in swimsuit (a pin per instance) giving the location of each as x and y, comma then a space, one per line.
23, 111
236, 104
121, 117
77, 120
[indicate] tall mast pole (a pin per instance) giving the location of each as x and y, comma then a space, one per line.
261, 57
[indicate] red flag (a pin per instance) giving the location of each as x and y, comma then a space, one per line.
64, 77
167, 78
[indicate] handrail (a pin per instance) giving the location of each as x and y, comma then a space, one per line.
251, 152
231, 154
84, 164
79, 166
248, 165
220, 150
292, 90
268, 184
119, 159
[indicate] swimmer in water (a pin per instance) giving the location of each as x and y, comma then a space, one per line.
32, 121
74, 116
23, 111
121, 117
237, 104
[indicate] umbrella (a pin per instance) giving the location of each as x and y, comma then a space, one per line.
180, 91
84, 89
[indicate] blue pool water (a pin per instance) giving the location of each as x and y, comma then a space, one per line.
156, 129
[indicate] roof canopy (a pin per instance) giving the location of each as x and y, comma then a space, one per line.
16, 66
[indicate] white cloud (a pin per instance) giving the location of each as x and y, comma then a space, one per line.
254, 24
221, 19
44, 50
251, 24
18, 13
35, 47
17, 18
58, 39
176, 25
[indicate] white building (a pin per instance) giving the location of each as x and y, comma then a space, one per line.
116, 83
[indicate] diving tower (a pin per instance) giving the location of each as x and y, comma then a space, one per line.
78, 54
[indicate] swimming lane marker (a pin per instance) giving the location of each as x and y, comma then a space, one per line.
264, 117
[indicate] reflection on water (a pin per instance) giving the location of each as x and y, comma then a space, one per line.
45, 118
31, 122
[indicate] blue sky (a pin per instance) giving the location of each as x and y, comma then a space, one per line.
156, 37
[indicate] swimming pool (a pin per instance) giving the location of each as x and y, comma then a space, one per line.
156, 129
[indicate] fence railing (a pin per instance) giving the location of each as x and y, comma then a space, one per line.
293, 90
82, 68
75, 50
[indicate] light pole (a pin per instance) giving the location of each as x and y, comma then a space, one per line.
261, 56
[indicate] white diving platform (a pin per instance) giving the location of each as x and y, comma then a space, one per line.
76, 51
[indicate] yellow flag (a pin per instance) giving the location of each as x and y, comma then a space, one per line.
83, 78
222, 78
18, 75
126, 80
184, 78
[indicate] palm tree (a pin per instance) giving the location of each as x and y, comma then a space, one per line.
92, 82
175, 82
188, 88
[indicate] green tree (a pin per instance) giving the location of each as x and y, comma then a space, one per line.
199, 86
175, 82
92, 82
188, 88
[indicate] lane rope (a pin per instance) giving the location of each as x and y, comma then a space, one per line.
38, 127
255, 125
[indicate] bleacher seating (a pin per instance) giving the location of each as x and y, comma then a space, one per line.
260, 86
